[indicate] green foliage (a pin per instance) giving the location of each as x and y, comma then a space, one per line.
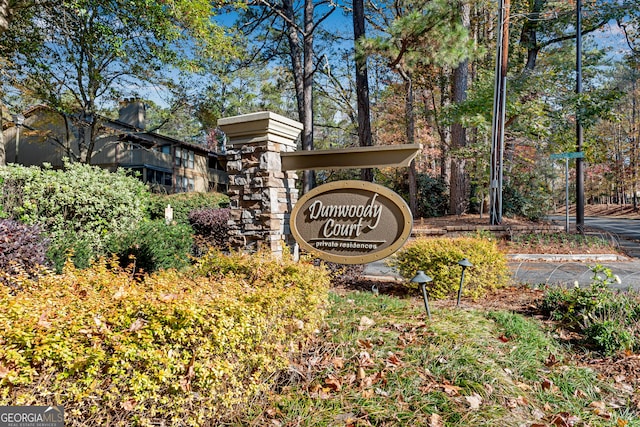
168, 349
79, 207
433, 198
183, 203
154, 245
608, 318
438, 258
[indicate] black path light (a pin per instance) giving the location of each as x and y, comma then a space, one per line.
422, 279
464, 263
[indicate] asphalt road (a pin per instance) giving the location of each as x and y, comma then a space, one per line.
626, 232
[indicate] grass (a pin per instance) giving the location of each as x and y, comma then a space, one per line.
380, 362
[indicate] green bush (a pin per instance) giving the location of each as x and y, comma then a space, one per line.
183, 203
433, 196
154, 245
608, 318
79, 203
168, 349
438, 258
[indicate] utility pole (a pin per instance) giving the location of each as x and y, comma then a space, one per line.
499, 107
579, 137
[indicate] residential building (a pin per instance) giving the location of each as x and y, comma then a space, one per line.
166, 164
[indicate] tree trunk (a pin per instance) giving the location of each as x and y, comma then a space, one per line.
3, 155
309, 178
410, 130
5, 15
459, 184
362, 86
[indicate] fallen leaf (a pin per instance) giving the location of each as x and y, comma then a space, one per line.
393, 360
120, 293
474, 401
4, 371
451, 390
338, 362
137, 325
128, 405
348, 418
333, 383
381, 392
622, 423
580, 394
365, 344
598, 405
365, 359
547, 384
435, 420
503, 338
361, 374
367, 394
551, 360
43, 322
366, 323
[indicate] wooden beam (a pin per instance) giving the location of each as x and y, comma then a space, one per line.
351, 158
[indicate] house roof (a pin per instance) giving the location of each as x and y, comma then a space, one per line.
127, 132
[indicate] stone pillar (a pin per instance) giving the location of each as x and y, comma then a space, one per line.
261, 195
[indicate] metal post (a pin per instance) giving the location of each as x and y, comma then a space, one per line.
464, 263
426, 299
579, 136
422, 279
499, 110
566, 193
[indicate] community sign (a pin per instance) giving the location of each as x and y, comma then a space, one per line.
351, 222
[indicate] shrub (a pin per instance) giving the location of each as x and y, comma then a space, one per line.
211, 226
22, 248
79, 203
433, 197
438, 258
154, 245
171, 349
609, 319
183, 203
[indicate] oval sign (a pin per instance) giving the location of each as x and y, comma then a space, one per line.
351, 222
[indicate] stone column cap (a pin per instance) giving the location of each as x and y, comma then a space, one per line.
263, 126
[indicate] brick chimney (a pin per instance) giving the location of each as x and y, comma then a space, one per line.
133, 112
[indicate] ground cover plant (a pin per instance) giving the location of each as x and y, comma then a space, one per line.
171, 348
607, 318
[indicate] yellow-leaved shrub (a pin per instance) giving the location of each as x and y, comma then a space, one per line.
166, 349
439, 257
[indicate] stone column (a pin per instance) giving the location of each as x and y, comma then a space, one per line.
261, 195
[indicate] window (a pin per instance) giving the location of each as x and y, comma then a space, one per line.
166, 149
184, 158
184, 184
178, 156
190, 160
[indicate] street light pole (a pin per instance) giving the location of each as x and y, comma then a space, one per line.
579, 136
18, 120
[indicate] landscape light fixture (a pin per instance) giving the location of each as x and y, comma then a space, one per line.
422, 279
464, 263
